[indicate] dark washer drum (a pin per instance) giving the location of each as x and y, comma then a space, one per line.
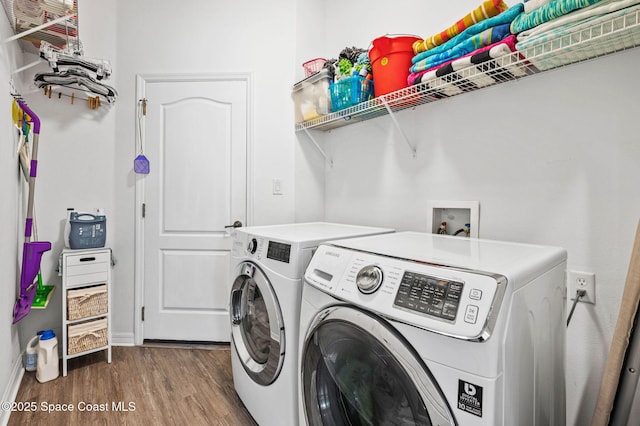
355, 371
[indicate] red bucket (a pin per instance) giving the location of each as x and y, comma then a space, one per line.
390, 57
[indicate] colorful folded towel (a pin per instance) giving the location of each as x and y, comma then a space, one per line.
598, 9
485, 38
608, 16
505, 17
455, 64
486, 10
546, 13
531, 5
482, 69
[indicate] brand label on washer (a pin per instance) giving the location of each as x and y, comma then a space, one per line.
470, 398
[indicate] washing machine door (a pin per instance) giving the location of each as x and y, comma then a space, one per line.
357, 370
257, 328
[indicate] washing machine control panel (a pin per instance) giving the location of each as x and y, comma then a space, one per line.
260, 248
430, 295
278, 251
283, 258
455, 302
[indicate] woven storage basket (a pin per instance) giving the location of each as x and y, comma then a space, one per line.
87, 336
87, 302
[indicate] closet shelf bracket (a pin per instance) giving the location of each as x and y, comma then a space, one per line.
395, 122
318, 146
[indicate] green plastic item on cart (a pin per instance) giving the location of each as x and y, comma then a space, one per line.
43, 294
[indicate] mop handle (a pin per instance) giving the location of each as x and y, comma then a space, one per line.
32, 169
34, 117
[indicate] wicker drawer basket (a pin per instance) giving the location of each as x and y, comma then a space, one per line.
87, 335
87, 302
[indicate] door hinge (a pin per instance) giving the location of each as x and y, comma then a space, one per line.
144, 106
144, 210
143, 313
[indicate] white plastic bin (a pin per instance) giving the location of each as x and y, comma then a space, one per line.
311, 97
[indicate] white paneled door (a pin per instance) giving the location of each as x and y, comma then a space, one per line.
195, 137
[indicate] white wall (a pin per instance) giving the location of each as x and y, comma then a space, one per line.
552, 159
311, 23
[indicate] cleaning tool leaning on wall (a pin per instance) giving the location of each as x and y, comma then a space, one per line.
32, 250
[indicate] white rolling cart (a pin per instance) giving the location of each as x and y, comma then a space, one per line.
86, 303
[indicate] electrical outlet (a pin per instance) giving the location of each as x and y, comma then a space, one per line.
577, 280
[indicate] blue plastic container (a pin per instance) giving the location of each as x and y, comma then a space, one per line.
350, 91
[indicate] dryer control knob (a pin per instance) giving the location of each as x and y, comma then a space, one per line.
369, 279
252, 246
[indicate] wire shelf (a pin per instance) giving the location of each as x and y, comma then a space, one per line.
54, 21
582, 42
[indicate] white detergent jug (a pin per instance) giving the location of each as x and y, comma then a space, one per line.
31, 353
48, 364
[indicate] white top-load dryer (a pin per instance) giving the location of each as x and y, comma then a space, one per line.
421, 329
267, 265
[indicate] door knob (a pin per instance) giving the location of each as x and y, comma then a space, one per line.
236, 224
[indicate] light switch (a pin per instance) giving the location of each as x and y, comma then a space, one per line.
277, 186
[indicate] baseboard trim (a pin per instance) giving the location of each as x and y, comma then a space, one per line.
122, 339
11, 391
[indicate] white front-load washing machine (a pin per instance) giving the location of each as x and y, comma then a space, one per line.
421, 329
268, 263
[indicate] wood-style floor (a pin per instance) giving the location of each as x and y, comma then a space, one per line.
157, 385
